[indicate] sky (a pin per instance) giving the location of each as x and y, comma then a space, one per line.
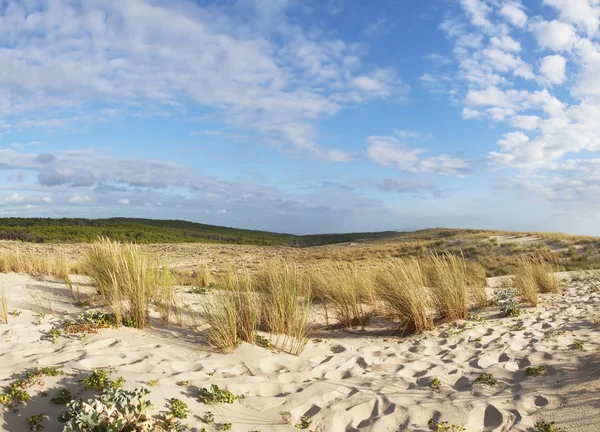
304, 116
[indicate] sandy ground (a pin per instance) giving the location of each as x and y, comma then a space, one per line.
346, 380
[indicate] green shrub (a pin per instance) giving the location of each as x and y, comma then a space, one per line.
536, 371
115, 410
215, 395
487, 379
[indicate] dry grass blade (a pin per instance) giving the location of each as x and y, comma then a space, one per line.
128, 278
545, 278
285, 305
447, 277
525, 282
400, 286
3, 305
346, 289
476, 284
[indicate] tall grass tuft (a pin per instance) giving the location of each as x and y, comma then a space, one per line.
545, 278
400, 286
27, 263
285, 305
3, 305
447, 278
476, 284
232, 312
127, 279
347, 289
525, 282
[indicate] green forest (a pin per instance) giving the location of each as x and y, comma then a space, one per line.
74, 230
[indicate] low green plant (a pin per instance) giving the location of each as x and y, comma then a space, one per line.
577, 345
5, 399
225, 427
15, 313
178, 409
444, 426
114, 410
556, 333
305, 422
54, 334
152, 383
99, 380
264, 342
541, 426
435, 384
208, 417
487, 379
185, 383
215, 395
35, 422
537, 371
64, 397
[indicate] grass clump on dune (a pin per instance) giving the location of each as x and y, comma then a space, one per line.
285, 299
3, 305
476, 284
525, 282
127, 279
346, 289
545, 278
400, 286
447, 278
232, 312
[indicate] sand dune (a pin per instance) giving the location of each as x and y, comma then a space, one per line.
346, 381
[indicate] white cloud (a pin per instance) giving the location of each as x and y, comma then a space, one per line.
390, 151
553, 69
222, 211
124, 201
527, 122
514, 14
79, 199
15, 198
554, 35
257, 71
478, 11
584, 14
47, 199
513, 139
505, 43
382, 83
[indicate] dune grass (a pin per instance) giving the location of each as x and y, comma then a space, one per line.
127, 279
346, 289
233, 312
447, 278
525, 282
476, 284
3, 305
285, 298
545, 278
25, 263
400, 285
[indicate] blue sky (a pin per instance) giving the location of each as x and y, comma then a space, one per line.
303, 116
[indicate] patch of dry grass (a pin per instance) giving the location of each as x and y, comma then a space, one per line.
545, 278
3, 305
128, 279
525, 282
285, 298
346, 289
476, 284
447, 278
400, 285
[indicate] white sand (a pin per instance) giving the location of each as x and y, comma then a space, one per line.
372, 382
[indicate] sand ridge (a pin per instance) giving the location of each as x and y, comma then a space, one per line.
347, 381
